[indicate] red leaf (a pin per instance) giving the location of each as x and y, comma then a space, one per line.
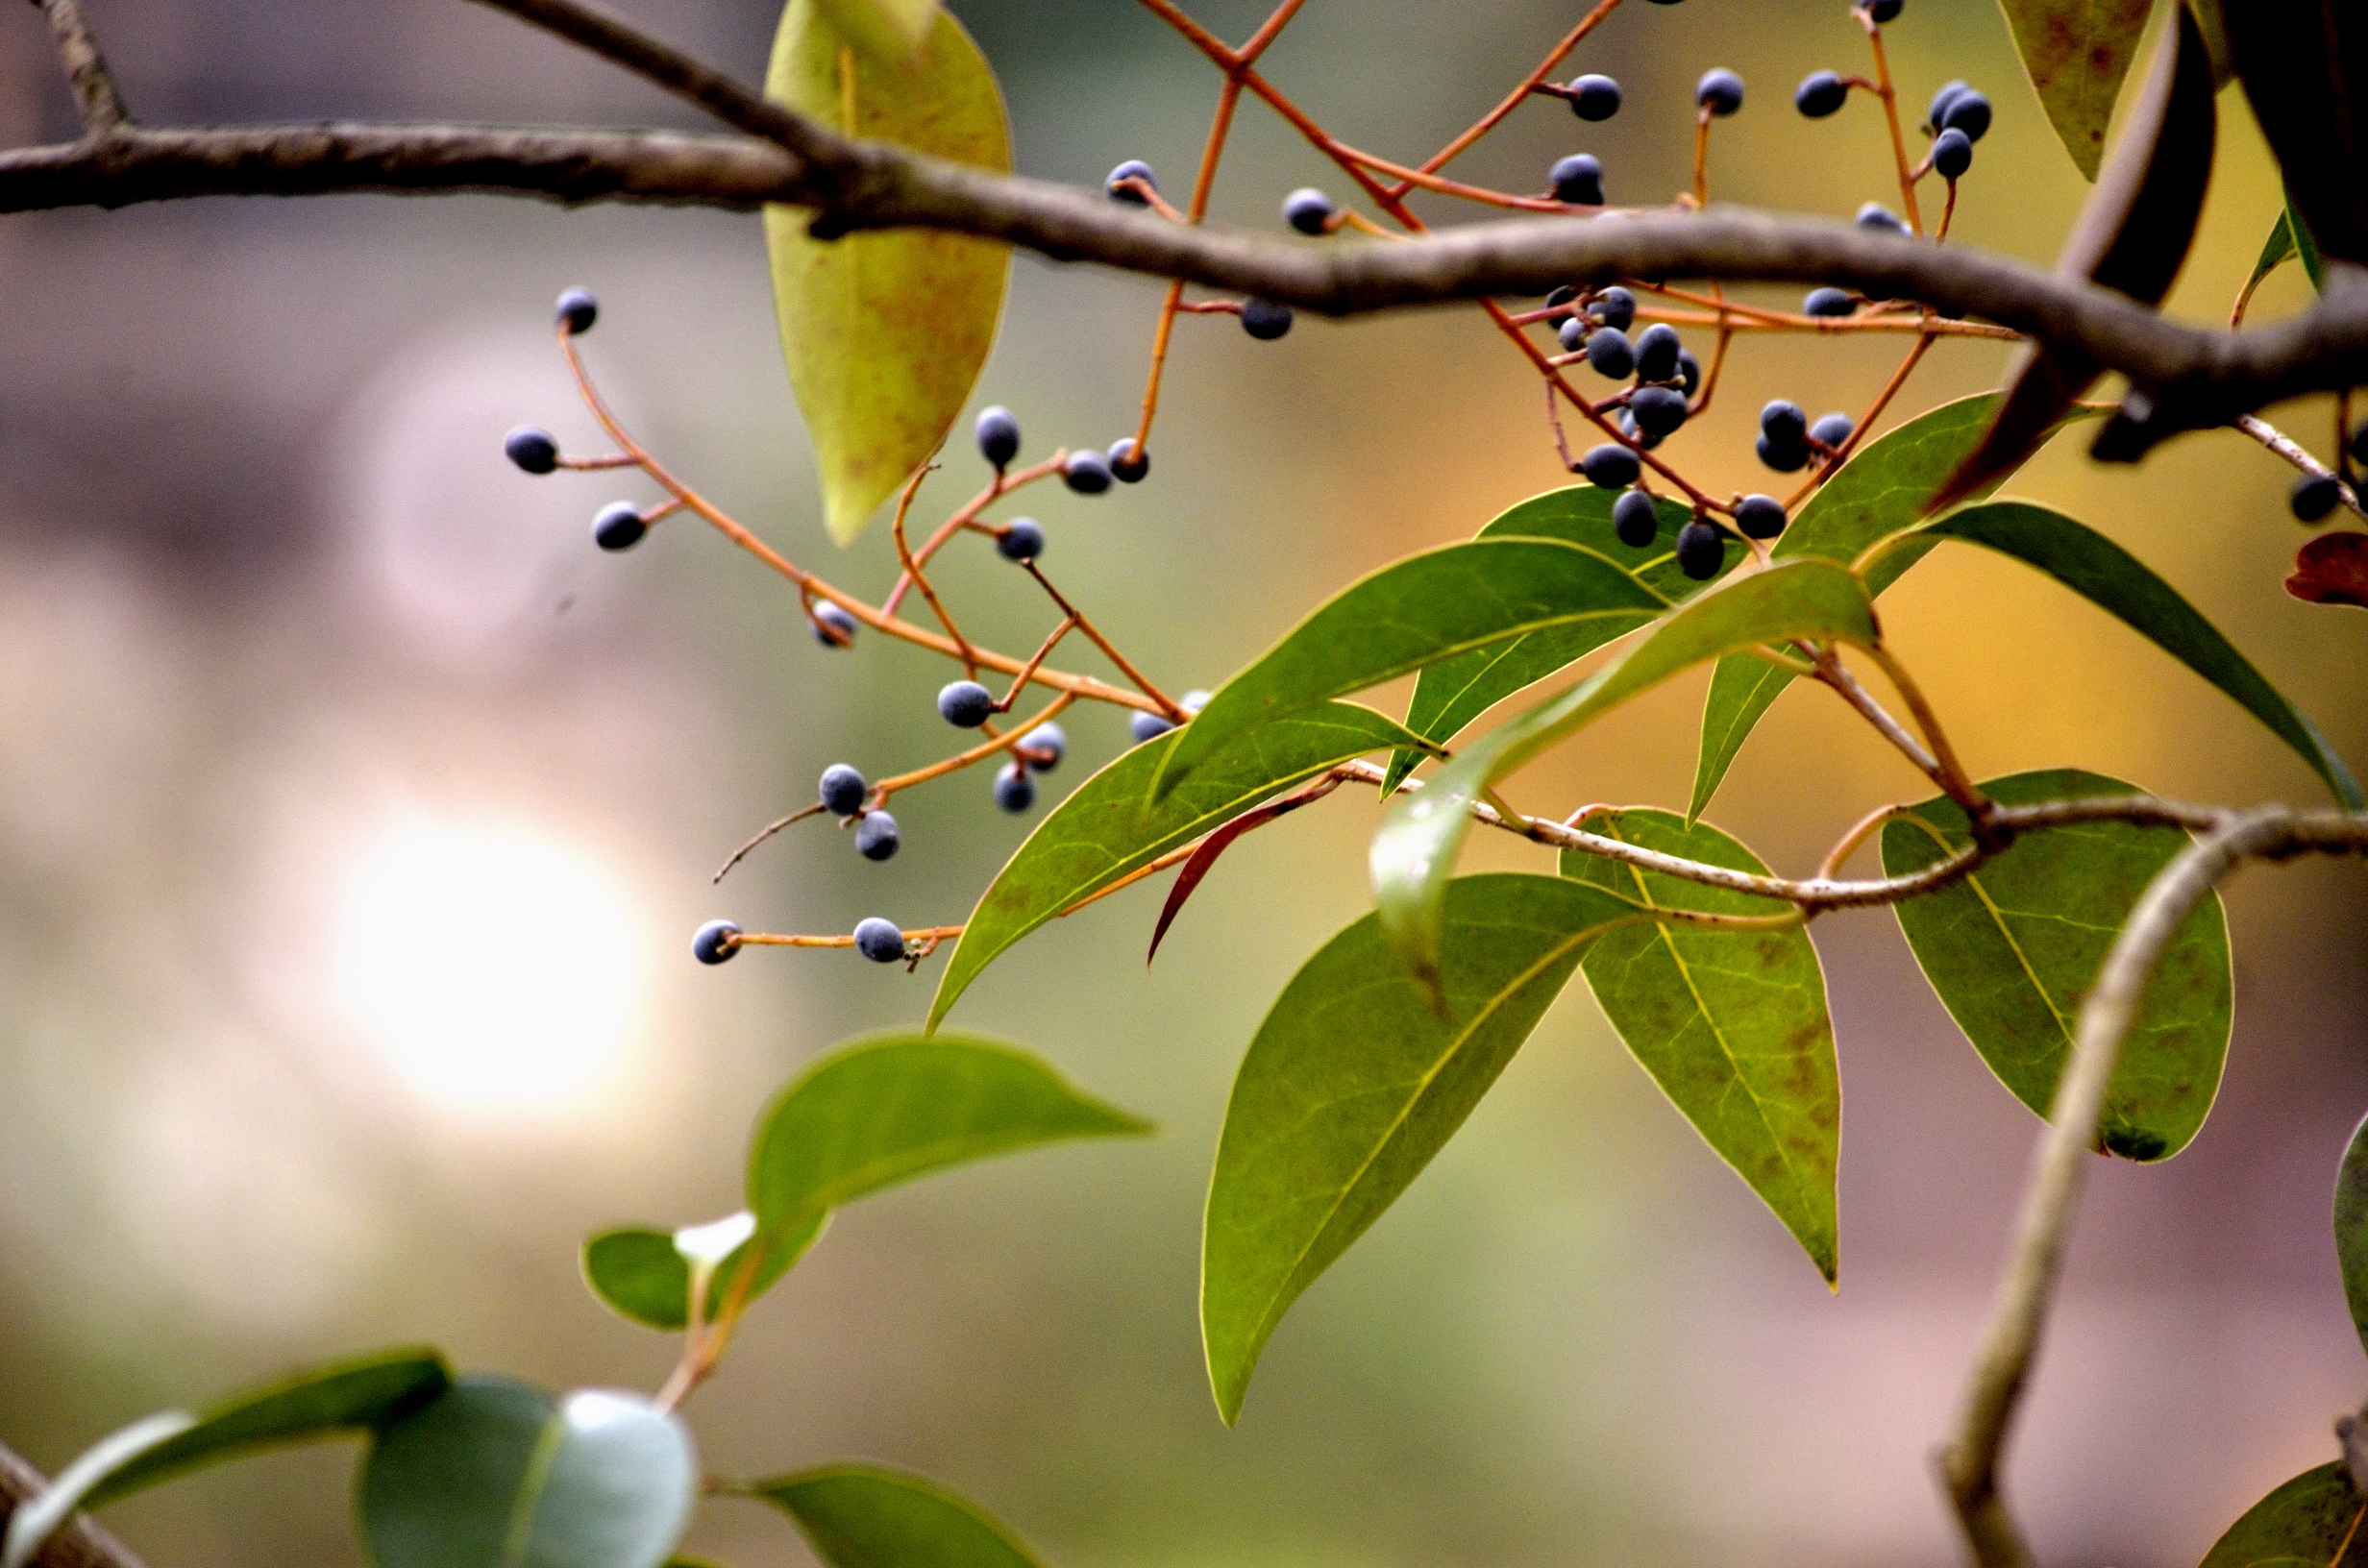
1216, 844
2332, 569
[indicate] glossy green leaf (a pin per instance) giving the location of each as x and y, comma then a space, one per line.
641, 1275
892, 29
885, 333
1731, 1024
2116, 581
2077, 53
1104, 830
496, 1473
1415, 852
2352, 1227
887, 1109
2304, 1524
2306, 246
330, 1401
1354, 1082
1457, 689
2012, 948
2276, 252
860, 1516
1415, 612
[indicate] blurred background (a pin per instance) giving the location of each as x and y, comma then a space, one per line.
355, 815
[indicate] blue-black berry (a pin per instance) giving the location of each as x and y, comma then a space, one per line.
2315, 495
1937, 116
1783, 423
1759, 517
1577, 180
1831, 430
1560, 295
843, 790
833, 626
1884, 11
1657, 350
880, 940
1609, 354
716, 941
1720, 91
1701, 550
1594, 97
1022, 540
1043, 748
1264, 319
1952, 153
1785, 457
1572, 334
1614, 307
998, 436
620, 525
531, 449
1309, 211
1881, 219
875, 835
575, 311
1147, 726
1134, 168
1827, 301
1014, 791
1127, 465
1634, 520
1819, 94
1643, 438
1659, 410
1968, 112
1688, 373
1087, 473
1610, 466
965, 704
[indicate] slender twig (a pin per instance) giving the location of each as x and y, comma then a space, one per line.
96, 98
1848, 844
1891, 117
2293, 452
78, 1543
1164, 703
1827, 666
968, 654
1513, 99
887, 787
761, 835
1001, 486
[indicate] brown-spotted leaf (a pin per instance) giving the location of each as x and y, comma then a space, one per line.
2332, 568
2305, 66
2077, 53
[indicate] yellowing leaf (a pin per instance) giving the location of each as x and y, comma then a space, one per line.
2076, 52
892, 29
884, 332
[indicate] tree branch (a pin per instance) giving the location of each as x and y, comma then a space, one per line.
78, 1543
95, 97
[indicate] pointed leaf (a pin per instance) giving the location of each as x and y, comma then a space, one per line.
2352, 1227
1412, 613
1353, 1083
2306, 247
1457, 689
1105, 831
885, 331
2116, 581
2304, 1524
642, 1276
497, 1474
2076, 52
1731, 1024
887, 1109
1415, 852
860, 1516
2011, 949
2332, 569
2276, 252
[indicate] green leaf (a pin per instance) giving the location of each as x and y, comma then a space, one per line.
2352, 1227
885, 333
860, 1516
894, 30
2011, 949
1105, 831
641, 1275
1414, 853
887, 1109
2306, 246
1353, 1083
2276, 252
2077, 53
1412, 613
1731, 1024
1457, 689
2304, 1524
2115, 580
324, 1402
496, 1473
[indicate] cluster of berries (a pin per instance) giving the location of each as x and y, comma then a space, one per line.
1667, 374
1577, 181
1132, 182
1086, 471
1786, 438
2316, 496
620, 524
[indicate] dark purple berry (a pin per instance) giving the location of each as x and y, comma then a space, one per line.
1022, 540
1689, 371
843, 790
833, 626
1785, 457
1134, 168
1882, 220
1043, 748
1610, 466
1609, 353
716, 941
1968, 112
1264, 319
1126, 465
2315, 495
1720, 91
1560, 295
1827, 301
1594, 97
1309, 211
1614, 307
531, 449
1759, 517
1952, 153
1831, 430
1783, 423
965, 704
1014, 791
880, 940
1884, 11
1657, 351
998, 436
1572, 333
875, 835
1937, 116
1819, 94
1701, 550
620, 525
1087, 473
1577, 180
1659, 410
1634, 520
1147, 726
575, 311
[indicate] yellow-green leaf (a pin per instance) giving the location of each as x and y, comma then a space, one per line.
2076, 52
894, 30
885, 333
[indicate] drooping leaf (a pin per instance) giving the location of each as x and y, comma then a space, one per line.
1412, 613
2116, 581
1415, 852
1203, 858
2132, 236
860, 1516
2011, 949
1353, 1083
496, 1473
885, 333
887, 1109
2304, 1524
1103, 831
894, 30
2352, 1227
2305, 66
1731, 1024
2332, 569
642, 1276
2076, 52
342, 1398
1457, 689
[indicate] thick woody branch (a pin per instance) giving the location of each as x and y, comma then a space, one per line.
95, 97
78, 1543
